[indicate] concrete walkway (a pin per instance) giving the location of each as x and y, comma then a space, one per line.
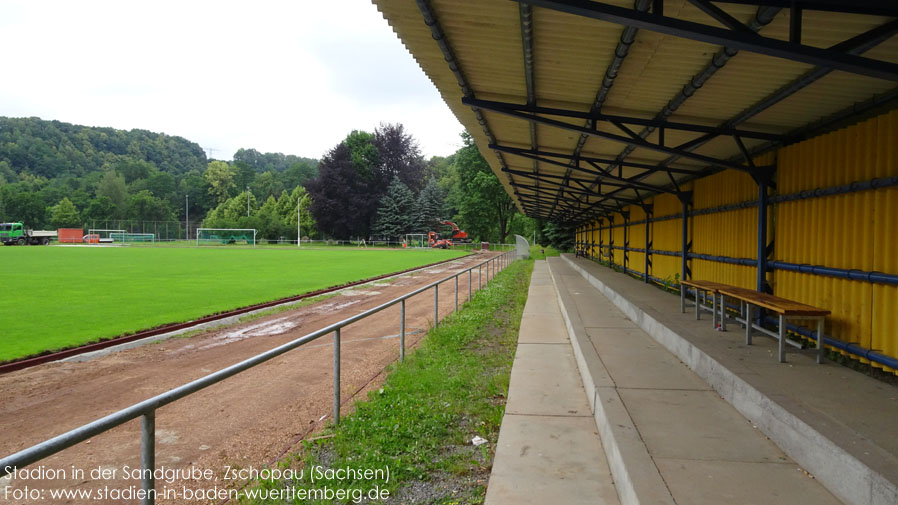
616, 397
672, 438
837, 424
549, 449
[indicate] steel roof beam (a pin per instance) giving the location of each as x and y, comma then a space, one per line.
601, 176
615, 119
721, 36
855, 45
588, 192
762, 17
570, 157
637, 142
871, 7
526, 14
628, 36
720, 15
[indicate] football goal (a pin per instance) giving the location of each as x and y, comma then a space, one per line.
130, 238
102, 235
225, 236
416, 240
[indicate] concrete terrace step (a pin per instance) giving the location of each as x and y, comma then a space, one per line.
668, 436
548, 450
838, 424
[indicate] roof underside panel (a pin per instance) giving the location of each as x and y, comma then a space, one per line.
540, 157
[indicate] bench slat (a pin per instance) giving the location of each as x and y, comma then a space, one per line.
774, 303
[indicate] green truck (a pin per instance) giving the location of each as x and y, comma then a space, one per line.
17, 234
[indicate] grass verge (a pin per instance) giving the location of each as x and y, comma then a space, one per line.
420, 424
540, 252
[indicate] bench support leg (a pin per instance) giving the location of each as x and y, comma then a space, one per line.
697, 306
723, 313
747, 323
820, 341
782, 339
682, 299
714, 321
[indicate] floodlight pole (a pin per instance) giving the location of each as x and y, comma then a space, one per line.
187, 217
247, 201
298, 228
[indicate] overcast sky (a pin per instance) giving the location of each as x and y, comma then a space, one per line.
290, 76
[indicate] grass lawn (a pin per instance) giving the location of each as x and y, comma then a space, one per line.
57, 297
421, 422
540, 252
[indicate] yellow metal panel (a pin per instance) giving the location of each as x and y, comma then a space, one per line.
851, 231
636, 233
618, 233
667, 236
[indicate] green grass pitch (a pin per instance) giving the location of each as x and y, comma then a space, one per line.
58, 297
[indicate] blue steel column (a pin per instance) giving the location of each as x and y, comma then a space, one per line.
762, 235
626, 261
686, 199
648, 244
611, 241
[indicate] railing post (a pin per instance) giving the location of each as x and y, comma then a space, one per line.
148, 456
402, 330
469, 284
337, 376
479, 277
456, 292
436, 304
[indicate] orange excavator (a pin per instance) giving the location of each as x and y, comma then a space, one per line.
457, 235
434, 240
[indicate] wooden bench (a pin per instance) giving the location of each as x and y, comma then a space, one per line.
704, 287
785, 309
748, 299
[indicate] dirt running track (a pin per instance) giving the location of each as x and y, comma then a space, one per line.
248, 420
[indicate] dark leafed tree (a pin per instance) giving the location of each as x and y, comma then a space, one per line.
396, 213
430, 207
353, 178
399, 155
340, 204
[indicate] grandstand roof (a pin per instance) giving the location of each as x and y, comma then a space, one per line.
581, 107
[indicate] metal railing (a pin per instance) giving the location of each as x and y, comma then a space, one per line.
146, 410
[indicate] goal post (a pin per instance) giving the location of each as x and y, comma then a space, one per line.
416, 240
130, 238
104, 234
225, 236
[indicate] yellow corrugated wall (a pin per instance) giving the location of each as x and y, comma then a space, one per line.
667, 236
852, 231
636, 234
732, 233
618, 232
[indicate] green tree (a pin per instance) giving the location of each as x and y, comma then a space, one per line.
484, 207
27, 207
64, 214
287, 211
113, 187
267, 184
143, 206
271, 226
100, 208
220, 177
430, 208
396, 213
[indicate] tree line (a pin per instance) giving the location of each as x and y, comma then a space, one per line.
371, 184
